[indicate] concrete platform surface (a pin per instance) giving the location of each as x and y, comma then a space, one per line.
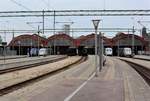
143, 63
142, 57
117, 81
95, 90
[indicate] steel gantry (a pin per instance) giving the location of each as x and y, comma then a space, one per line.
74, 30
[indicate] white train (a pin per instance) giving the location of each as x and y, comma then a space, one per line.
43, 52
108, 51
127, 52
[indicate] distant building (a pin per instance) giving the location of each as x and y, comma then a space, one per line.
144, 33
60, 42
146, 37
66, 29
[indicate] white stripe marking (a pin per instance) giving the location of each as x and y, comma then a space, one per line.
79, 88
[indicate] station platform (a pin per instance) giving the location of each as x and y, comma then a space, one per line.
116, 82
144, 57
95, 90
143, 63
13, 57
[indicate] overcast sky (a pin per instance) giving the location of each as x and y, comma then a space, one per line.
7, 5
124, 22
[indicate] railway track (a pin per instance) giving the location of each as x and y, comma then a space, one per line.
8, 58
25, 66
143, 71
19, 85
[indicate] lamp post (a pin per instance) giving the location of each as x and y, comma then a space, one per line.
133, 30
118, 45
38, 30
4, 44
38, 39
19, 42
100, 51
96, 23
54, 27
30, 48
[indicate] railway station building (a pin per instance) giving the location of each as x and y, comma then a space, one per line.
23, 43
89, 42
59, 43
122, 40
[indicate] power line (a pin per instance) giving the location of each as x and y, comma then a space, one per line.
19, 4
46, 3
75, 13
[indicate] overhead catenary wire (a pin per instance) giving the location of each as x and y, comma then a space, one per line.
46, 3
19, 4
75, 13
22, 6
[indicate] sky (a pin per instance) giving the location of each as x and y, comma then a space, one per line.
107, 22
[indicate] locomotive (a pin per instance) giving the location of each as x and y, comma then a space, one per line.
108, 51
72, 51
125, 52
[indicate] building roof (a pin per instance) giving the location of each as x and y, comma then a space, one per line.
78, 41
124, 36
92, 36
34, 37
61, 35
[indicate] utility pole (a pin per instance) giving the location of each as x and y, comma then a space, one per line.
19, 42
4, 44
100, 51
118, 45
133, 31
12, 39
54, 32
43, 22
38, 38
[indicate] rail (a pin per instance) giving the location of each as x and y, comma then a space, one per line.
5, 68
143, 71
23, 83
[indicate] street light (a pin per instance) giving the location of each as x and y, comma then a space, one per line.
30, 48
133, 31
118, 44
133, 44
101, 51
4, 44
19, 42
96, 23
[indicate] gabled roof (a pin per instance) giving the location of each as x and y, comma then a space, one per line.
60, 36
123, 36
28, 36
92, 36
